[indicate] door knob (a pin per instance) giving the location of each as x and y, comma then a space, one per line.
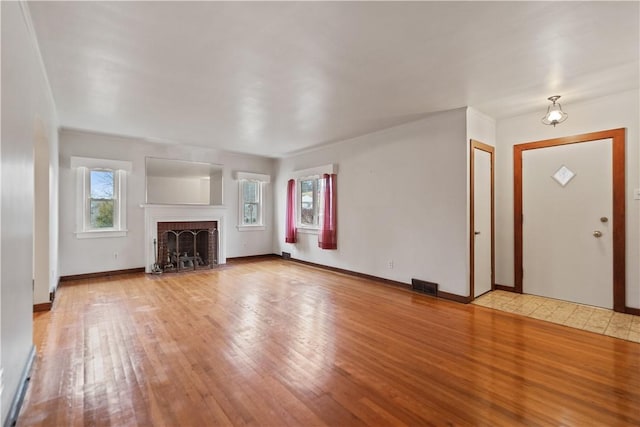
597, 233
604, 219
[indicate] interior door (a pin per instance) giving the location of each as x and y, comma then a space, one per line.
481, 215
567, 222
482, 221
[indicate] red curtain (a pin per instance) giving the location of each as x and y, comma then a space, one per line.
327, 238
290, 226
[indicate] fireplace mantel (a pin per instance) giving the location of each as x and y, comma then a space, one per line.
153, 214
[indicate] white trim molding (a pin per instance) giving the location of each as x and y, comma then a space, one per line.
250, 176
89, 162
261, 179
120, 168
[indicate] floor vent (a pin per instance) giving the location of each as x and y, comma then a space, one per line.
424, 287
286, 255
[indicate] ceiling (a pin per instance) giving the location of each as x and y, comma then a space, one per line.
274, 78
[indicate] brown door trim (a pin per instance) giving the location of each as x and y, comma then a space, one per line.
489, 149
618, 203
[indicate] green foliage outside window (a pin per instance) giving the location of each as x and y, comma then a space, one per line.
251, 202
101, 207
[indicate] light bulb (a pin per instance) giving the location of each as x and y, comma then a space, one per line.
554, 115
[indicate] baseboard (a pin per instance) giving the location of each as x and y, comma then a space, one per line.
454, 297
405, 286
498, 287
101, 274
45, 306
248, 258
353, 273
631, 310
18, 398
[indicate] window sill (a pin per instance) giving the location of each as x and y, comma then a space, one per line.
100, 233
251, 227
305, 230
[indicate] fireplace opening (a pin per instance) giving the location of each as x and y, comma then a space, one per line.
187, 245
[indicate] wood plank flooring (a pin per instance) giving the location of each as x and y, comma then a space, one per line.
276, 343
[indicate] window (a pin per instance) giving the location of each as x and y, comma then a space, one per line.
251, 198
308, 202
251, 209
101, 197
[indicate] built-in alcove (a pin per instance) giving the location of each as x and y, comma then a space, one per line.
181, 182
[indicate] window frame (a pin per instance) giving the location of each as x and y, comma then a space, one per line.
262, 180
317, 196
304, 174
84, 166
242, 226
87, 226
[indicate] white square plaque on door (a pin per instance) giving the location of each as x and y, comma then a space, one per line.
563, 175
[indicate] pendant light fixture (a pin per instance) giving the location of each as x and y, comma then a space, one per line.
554, 114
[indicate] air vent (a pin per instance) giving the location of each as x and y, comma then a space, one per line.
286, 255
424, 287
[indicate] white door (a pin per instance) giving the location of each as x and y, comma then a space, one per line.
567, 222
482, 222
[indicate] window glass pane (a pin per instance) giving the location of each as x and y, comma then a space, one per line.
101, 213
101, 184
317, 206
250, 191
307, 201
250, 213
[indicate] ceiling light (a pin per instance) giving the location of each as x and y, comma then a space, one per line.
554, 114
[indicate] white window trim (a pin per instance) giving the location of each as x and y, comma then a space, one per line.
262, 180
120, 168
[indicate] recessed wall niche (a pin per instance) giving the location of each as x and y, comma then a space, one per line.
182, 182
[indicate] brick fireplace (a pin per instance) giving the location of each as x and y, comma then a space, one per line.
187, 245
184, 220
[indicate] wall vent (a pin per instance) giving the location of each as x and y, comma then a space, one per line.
424, 287
286, 255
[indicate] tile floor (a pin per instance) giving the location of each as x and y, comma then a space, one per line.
594, 319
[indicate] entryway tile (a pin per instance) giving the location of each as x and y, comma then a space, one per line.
588, 318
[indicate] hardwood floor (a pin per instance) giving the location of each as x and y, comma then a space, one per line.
276, 343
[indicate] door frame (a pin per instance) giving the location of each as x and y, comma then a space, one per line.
618, 203
473, 144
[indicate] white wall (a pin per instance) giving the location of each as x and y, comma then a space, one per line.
481, 127
27, 110
45, 268
54, 210
78, 256
610, 112
162, 189
401, 197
